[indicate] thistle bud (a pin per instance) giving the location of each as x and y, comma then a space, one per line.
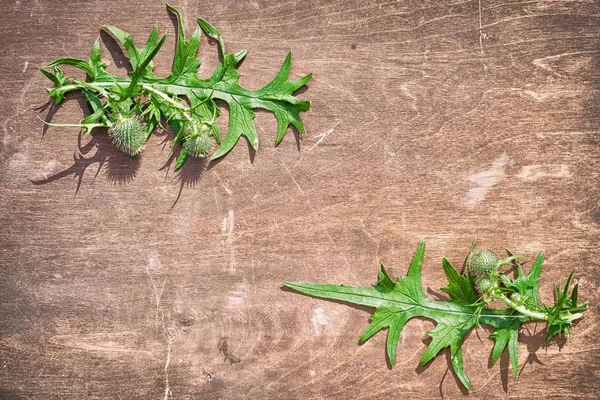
485, 285
198, 143
483, 262
128, 134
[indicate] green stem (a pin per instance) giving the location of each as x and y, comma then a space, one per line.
522, 309
91, 86
98, 87
163, 96
88, 126
567, 316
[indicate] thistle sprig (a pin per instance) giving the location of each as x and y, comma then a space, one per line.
132, 107
470, 305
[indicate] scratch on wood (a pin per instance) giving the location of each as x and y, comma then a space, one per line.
167, 362
109, 342
480, 30
324, 135
542, 62
154, 266
535, 172
227, 226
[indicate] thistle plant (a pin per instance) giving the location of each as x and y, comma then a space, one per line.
471, 293
132, 107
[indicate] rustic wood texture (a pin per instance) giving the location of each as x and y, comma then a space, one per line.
442, 120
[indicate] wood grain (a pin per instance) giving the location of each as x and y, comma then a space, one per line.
443, 120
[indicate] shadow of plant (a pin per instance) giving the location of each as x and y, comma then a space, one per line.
119, 167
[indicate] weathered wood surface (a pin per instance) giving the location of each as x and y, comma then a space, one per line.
441, 120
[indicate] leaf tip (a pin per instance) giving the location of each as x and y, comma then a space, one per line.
172, 8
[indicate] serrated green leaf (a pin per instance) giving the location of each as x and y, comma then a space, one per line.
562, 295
397, 304
139, 72
136, 56
240, 124
460, 287
213, 33
384, 282
448, 331
50, 76
83, 65
503, 337
456, 360
185, 61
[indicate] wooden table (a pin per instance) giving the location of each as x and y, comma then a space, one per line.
448, 121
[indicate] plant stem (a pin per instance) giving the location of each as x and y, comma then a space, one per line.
522, 309
184, 110
567, 316
98, 87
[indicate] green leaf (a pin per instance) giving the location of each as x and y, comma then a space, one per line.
185, 60
240, 124
456, 361
73, 62
50, 76
504, 337
527, 285
460, 287
182, 98
183, 156
397, 302
213, 33
140, 72
137, 56
59, 80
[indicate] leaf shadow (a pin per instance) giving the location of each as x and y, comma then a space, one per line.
116, 51
189, 175
52, 110
301, 90
437, 296
120, 168
191, 172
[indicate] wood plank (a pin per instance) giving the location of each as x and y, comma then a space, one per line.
443, 120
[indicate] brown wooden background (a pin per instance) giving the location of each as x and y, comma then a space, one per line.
443, 120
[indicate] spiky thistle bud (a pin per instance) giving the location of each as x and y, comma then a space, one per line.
128, 134
483, 262
485, 285
198, 142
